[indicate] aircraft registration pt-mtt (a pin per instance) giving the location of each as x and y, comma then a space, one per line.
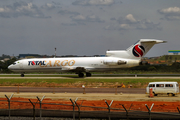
114, 60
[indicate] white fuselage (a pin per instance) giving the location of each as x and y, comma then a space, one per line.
70, 64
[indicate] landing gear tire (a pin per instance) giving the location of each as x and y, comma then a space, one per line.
170, 94
22, 75
155, 94
81, 74
88, 74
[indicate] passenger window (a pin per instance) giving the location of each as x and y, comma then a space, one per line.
151, 85
169, 85
159, 85
177, 85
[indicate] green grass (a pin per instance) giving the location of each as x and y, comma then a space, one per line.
77, 82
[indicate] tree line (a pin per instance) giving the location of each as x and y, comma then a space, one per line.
173, 68
4, 65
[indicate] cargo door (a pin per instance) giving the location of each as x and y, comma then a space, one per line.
21, 65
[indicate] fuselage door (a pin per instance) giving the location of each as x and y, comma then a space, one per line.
21, 65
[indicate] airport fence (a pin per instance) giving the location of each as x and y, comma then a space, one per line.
75, 111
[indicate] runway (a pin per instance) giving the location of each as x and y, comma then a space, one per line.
72, 90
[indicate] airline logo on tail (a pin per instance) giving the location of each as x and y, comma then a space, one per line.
138, 50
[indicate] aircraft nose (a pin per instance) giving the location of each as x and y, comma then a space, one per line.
10, 67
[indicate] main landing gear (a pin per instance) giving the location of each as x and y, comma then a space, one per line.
88, 74
82, 74
22, 74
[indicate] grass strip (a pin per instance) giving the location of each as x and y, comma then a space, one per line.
77, 82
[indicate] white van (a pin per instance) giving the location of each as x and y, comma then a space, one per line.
169, 88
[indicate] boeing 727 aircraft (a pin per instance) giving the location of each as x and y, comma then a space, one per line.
80, 65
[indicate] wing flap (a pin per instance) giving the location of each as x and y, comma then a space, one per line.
75, 69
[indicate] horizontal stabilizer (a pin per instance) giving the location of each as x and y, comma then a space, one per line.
152, 40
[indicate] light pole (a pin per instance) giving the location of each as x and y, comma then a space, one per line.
55, 53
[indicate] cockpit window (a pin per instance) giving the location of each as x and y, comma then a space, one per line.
14, 63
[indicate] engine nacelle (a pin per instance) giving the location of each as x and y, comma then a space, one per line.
114, 62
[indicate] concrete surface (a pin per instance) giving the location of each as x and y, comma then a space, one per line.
93, 96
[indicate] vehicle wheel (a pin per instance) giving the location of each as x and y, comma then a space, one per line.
155, 94
170, 94
22, 75
81, 74
88, 74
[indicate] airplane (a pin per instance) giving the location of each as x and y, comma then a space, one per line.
113, 60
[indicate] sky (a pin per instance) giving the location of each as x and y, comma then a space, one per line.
87, 27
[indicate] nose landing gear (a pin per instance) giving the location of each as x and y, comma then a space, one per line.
88, 74
22, 74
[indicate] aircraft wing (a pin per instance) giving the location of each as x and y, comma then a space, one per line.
74, 69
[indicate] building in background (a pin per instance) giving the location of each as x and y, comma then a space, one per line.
174, 52
22, 56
